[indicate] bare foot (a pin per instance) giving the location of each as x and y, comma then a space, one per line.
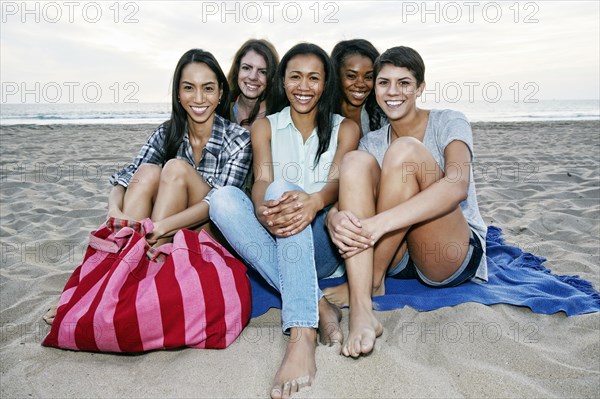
330, 316
298, 367
364, 330
50, 315
338, 295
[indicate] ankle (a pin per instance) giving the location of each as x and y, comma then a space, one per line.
302, 334
361, 305
324, 304
378, 282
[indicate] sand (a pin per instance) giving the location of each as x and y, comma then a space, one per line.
538, 181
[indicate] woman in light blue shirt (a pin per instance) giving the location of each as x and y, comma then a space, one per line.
281, 232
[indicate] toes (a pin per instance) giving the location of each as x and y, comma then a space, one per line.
276, 392
331, 334
356, 347
359, 345
287, 390
345, 351
294, 387
367, 342
50, 315
352, 347
366, 346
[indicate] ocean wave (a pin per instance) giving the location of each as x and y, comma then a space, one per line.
156, 113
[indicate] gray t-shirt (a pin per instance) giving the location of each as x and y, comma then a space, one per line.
364, 121
443, 127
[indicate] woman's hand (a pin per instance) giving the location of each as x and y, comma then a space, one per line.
295, 210
269, 211
157, 233
373, 227
289, 214
347, 233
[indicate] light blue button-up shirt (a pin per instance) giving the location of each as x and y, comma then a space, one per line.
294, 159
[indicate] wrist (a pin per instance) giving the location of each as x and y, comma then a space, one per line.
330, 214
318, 200
114, 213
157, 230
383, 222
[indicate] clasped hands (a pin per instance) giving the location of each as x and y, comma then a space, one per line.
350, 234
288, 214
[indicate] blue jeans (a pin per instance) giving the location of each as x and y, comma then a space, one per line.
292, 264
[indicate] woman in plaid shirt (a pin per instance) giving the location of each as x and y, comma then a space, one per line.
189, 156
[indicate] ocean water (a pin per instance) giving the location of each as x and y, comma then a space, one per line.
82, 114
156, 113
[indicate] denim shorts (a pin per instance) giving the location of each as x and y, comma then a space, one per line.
406, 268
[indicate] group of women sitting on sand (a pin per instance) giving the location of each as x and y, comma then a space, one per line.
326, 157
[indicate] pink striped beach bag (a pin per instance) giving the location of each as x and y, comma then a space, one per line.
127, 297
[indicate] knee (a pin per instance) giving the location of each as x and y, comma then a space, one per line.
278, 187
146, 177
401, 151
356, 161
175, 169
224, 203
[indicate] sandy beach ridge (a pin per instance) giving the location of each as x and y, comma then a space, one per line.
538, 181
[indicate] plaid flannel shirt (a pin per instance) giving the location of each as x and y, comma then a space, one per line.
225, 161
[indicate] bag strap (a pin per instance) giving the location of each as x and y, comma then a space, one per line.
121, 229
115, 224
159, 254
102, 244
144, 227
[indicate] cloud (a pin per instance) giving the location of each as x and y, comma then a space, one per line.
141, 41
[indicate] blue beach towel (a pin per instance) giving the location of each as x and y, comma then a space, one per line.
515, 278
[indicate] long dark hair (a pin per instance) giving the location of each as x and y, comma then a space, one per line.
340, 53
268, 52
326, 104
177, 125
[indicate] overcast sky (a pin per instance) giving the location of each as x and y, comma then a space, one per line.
74, 51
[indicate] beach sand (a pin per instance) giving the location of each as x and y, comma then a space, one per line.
538, 181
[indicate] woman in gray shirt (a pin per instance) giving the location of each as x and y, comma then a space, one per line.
407, 206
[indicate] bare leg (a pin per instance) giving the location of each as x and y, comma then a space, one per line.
358, 182
437, 247
141, 192
397, 184
330, 316
338, 295
180, 187
298, 367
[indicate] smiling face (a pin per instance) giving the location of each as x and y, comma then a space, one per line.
396, 91
199, 92
304, 81
356, 79
252, 76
